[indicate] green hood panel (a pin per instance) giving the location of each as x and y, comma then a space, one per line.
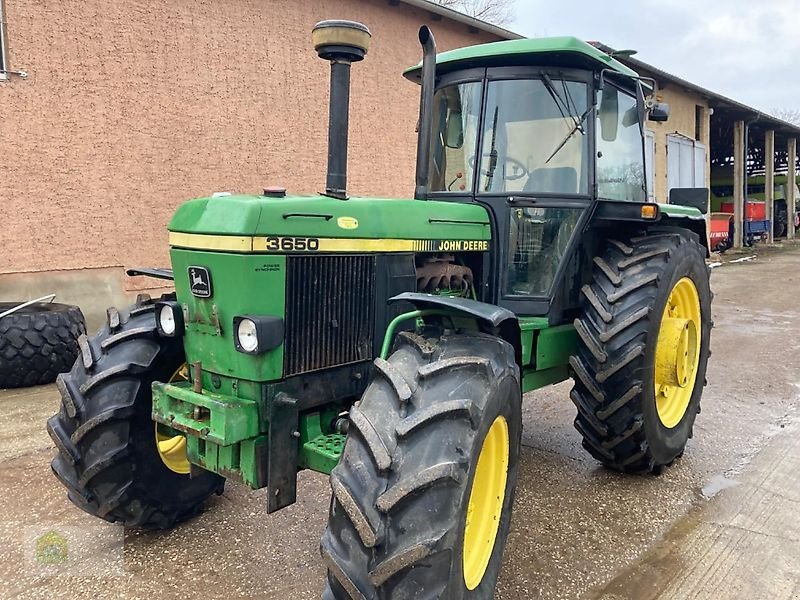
228, 215
320, 216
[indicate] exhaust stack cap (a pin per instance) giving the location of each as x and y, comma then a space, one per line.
341, 40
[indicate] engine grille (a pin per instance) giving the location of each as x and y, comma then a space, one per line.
329, 311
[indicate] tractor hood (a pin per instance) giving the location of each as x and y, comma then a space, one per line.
242, 223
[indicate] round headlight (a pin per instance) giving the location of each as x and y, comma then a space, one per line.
166, 320
247, 336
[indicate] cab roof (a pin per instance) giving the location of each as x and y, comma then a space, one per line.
565, 51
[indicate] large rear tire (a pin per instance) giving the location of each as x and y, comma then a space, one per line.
108, 458
406, 515
643, 349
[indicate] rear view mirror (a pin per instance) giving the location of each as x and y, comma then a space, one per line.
694, 197
609, 113
454, 130
631, 117
659, 112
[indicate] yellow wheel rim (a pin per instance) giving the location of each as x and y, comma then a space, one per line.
172, 445
677, 352
485, 503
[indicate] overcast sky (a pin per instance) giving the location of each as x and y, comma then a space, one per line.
748, 50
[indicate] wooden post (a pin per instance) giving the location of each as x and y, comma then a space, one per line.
791, 178
738, 183
769, 182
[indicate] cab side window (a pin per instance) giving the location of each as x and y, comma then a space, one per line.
620, 155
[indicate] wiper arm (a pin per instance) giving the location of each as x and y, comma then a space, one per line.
571, 104
578, 126
563, 105
551, 89
492, 154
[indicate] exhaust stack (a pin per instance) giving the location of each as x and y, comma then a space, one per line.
342, 43
425, 111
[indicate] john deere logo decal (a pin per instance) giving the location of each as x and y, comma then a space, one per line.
200, 282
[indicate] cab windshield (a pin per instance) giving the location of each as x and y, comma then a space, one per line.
533, 137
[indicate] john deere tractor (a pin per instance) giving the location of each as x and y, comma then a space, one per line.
388, 342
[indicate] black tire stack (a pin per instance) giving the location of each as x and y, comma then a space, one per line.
38, 342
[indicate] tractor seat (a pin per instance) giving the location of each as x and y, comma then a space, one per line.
558, 180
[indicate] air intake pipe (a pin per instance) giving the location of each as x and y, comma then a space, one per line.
425, 111
342, 43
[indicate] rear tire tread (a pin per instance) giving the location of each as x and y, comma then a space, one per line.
609, 393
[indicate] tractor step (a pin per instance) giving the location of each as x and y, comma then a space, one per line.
323, 452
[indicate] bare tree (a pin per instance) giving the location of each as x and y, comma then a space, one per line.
499, 12
790, 115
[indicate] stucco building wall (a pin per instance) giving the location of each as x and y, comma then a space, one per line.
131, 107
683, 118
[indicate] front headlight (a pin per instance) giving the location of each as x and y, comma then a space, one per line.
257, 334
247, 336
169, 318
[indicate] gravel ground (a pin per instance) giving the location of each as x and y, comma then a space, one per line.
721, 523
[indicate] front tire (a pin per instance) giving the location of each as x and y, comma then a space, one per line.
407, 516
636, 400
108, 458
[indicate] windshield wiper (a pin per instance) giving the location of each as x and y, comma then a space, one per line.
551, 89
492, 154
578, 127
563, 105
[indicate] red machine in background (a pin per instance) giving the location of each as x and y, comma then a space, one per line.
722, 225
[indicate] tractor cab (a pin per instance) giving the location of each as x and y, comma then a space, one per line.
537, 131
537, 117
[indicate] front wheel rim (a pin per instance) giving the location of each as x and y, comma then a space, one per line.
170, 444
485, 505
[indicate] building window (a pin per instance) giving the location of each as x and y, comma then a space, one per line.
686, 163
699, 122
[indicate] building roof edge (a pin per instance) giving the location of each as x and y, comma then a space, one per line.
459, 17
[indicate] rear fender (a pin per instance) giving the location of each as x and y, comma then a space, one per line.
693, 224
626, 214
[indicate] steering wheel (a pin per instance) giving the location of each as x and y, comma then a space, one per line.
519, 170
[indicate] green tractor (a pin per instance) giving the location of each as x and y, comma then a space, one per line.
388, 342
